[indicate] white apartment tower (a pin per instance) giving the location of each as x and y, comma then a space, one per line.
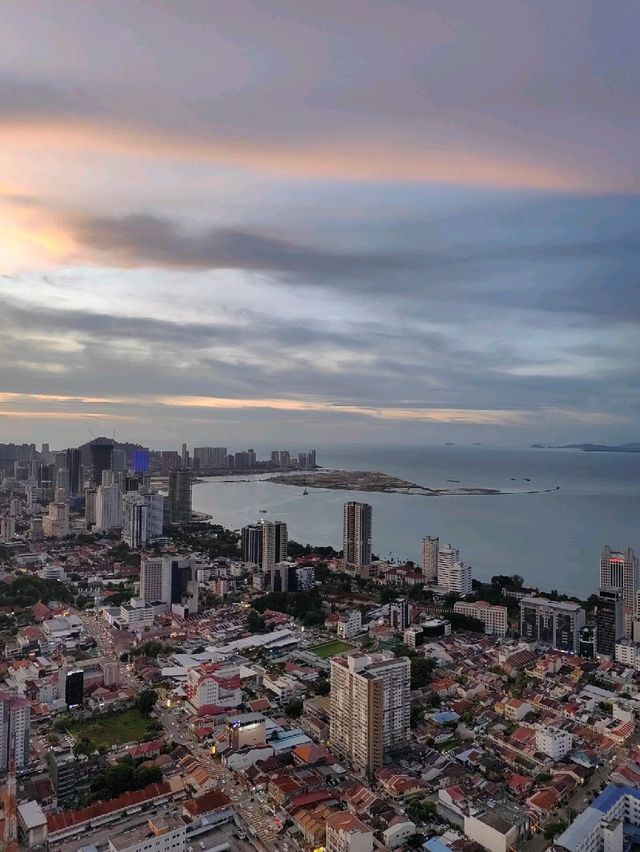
456, 579
430, 548
357, 534
108, 507
142, 517
369, 707
15, 721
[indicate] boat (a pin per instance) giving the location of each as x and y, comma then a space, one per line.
527, 480
305, 493
263, 511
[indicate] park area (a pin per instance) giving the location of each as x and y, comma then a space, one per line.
126, 727
331, 649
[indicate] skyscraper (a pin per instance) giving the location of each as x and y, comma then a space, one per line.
15, 720
74, 466
357, 534
620, 570
101, 459
142, 517
180, 490
609, 621
430, 548
265, 543
369, 707
169, 579
108, 507
455, 579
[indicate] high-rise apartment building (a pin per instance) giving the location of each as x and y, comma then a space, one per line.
430, 550
399, 614
180, 492
369, 707
265, 543
447, 555
55, 524
152, 578
204, 457
90, 506
141, 517
356, 534
108, 508
609, 621
15, 721
455, 579
555, 623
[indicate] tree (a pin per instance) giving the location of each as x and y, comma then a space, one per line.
421, 670
255, 622
322, 687
147, 701
416, 715
293, 709
121, 778
553, 828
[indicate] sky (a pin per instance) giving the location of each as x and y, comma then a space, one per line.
299, 223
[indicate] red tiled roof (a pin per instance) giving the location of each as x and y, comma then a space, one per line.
213, 801
68, 819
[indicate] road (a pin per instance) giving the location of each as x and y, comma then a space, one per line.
254, 813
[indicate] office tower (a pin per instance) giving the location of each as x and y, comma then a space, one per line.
141, 461
455, 579
101, 459
283, 578
587, 647
169, 579
620, 570
60, 459
44, 452
36, 529
15, 721
285, 458
74, 688
430, 549
369, 707
399, 614
184, 455
119, 460
609, 621
275, 458
108, 508
357, 534
46, 476
169, 460
142, 517
74, 466
555, 623
62, 479
180, 490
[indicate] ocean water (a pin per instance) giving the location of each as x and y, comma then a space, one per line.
552, 539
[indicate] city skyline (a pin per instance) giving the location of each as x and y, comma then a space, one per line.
366, 223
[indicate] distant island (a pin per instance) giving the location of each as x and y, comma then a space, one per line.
633, 447
366, 480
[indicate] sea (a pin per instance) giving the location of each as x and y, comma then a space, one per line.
551, 538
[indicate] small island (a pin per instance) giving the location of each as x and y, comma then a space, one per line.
366, 480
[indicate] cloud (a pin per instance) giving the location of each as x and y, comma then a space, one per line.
146, 239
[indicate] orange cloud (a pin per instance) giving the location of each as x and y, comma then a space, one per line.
379, 159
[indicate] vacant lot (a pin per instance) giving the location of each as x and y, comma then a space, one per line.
330, 649
126, 727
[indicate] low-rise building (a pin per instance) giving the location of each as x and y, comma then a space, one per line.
167, 834
347, 833
349, 624
554, 742
494, 618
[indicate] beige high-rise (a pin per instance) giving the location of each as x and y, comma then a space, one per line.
369, 709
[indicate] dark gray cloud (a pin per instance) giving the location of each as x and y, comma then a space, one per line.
146, 239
